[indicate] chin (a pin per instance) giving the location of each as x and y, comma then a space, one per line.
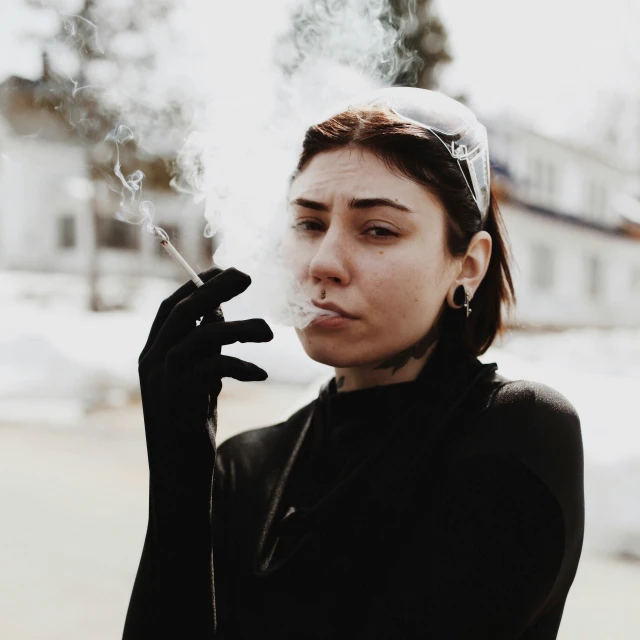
332, 352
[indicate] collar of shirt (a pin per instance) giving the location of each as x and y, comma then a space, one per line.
339, 414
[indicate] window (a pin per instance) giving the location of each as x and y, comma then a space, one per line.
543, 179
543, 267
114, 234
536, 171
551, 179
67, 232
597, 197
594, 277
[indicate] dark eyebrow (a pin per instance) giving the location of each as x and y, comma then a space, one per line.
354, 203
310, 204
369, 203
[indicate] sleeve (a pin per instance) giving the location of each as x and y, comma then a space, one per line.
222, 545
172, 593
485, 561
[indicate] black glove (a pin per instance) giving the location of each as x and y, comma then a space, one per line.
180, 377
181, 369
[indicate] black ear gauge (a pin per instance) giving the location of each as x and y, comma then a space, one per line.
459, 296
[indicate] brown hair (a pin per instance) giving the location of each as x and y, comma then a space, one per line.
414, 152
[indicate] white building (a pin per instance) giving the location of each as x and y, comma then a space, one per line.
53, 215
578, 262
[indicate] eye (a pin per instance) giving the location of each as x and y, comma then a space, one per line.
378, 231
307, 225
382, 232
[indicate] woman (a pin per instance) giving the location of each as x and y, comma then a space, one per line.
421, 495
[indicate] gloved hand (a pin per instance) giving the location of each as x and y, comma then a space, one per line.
180, 371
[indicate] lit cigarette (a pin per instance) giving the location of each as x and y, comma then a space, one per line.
162, 235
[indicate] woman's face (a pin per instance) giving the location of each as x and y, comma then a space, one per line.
374, 241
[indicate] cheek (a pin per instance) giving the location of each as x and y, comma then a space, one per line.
407, 284
295, 255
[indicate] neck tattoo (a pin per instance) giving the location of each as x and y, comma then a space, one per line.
414, 351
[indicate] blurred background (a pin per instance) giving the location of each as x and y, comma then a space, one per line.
101, 100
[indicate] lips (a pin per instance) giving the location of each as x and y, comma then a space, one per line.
330, 306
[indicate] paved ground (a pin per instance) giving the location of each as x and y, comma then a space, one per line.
74, 515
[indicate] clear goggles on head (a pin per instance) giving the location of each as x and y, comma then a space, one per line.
451, 122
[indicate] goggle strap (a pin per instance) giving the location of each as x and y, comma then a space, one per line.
471, 189
452, 152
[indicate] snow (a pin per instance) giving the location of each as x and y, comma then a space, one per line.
53, 349
58, 360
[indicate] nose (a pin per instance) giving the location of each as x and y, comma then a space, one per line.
330, 260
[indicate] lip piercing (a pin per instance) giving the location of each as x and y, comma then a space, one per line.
322, 295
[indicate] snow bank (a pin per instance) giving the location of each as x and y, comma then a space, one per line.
57, 359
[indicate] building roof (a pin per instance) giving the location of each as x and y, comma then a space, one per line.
589, 150
570, 219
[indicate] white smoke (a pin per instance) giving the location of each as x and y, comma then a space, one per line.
232, 88
294, 60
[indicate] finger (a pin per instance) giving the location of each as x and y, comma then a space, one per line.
208, 372
182, 317
211, 317
209, 338
211, 295
169, 303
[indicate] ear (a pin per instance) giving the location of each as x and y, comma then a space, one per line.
472, 268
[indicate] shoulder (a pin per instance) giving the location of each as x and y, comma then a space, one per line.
508, 412
530, 424
528, 396
523, 408
533, 414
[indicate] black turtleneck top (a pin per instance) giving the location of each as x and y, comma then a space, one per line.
448, 507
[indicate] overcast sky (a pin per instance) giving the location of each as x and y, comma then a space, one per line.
549, 61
